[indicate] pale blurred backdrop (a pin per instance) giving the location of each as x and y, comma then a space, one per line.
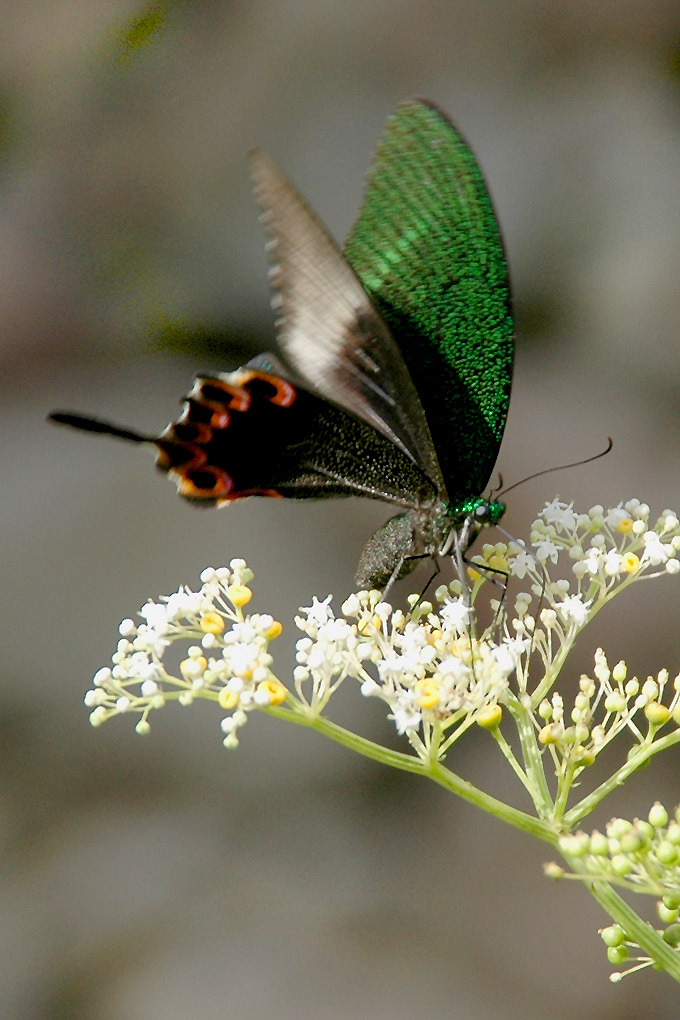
159, 877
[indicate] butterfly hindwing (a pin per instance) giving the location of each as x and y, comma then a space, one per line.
254, 432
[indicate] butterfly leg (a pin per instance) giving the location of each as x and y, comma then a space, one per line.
394, 576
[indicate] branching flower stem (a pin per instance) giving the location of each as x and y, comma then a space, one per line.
661, 955
640, 757
429, 770
440, 675
644, 935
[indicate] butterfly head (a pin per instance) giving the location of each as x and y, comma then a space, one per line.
481, 511
470, 517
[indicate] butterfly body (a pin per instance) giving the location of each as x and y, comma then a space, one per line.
400, 353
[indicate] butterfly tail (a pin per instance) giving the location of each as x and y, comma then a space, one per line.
79, 421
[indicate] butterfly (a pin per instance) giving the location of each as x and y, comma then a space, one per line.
399, 355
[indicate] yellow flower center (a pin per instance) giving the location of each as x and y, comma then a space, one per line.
227, 699
275, 689
428, 693
239, 594
489, 718
212, 623
630, 562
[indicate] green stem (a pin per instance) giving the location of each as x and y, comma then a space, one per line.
509, 755
551, 675
430, 770
618, 910
362, 746
638, 930
533, 761
637, 760
512, 816
565, 784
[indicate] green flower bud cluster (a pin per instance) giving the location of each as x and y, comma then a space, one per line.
643, 854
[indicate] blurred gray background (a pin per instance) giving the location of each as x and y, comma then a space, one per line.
161, 877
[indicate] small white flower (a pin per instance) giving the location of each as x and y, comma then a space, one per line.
370, 688
319, 612
615, 515
560, 514
613, 563
522, 563
406, 718
655, 551
546, 550
573, 610
156, 615
455, 615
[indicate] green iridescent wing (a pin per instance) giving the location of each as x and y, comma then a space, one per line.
427, 248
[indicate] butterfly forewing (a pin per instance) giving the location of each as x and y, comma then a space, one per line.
329, 329
427, 248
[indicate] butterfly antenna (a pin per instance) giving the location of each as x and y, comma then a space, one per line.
78, 421
559, 467
494, 491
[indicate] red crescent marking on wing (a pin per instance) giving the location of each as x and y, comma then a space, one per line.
239, 398
198, 458
285, 392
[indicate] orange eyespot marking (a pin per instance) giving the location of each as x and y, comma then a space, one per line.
267, 387
204, 482
220, 393
177, 456
284, 392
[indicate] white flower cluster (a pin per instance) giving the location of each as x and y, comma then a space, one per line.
603, 551
230, 662
435, 669
604, 544
426, 666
